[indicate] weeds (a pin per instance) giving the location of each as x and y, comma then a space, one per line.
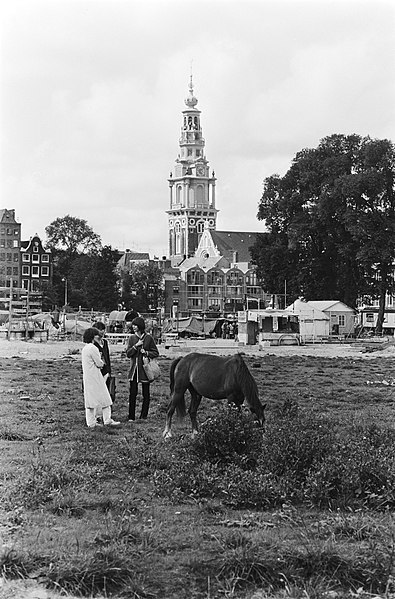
103, 572
302, 458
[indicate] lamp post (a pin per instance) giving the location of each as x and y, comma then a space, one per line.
65, 291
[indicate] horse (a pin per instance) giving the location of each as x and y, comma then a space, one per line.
214, 377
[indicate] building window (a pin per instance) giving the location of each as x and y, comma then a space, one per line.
2, 243
9, 232
200, 227
25, 284
9, 257
15, 271
369, 317
26, 257
35, 271
35, 248
45, 258
16, 232
35, 258
342, 320
26, 270
9, 271
15, 243
44, 271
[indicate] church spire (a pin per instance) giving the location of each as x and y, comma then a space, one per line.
192, 190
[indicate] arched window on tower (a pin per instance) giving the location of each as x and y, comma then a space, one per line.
191, 197
200, 226
200, 194
179, 194
177, 229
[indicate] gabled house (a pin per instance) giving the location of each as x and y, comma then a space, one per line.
323, 318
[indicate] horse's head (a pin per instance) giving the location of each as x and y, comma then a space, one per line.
260, 415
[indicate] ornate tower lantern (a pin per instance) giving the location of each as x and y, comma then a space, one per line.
192, 189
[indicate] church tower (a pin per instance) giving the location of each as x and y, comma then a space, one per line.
192, 189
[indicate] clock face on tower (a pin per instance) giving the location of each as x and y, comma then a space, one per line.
200, 170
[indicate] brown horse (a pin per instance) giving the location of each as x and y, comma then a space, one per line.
214, 377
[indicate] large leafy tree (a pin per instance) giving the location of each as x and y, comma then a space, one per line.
144, 287
81, 263
72, 235
330, 221
101, 281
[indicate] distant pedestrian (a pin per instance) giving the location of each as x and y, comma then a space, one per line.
140, 344
96, 394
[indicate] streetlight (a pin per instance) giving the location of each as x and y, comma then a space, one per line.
65, 291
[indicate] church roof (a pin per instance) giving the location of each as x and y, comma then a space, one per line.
228, 242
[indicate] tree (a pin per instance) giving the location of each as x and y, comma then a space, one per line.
146, 287
72, 235
72, 242
101, 281
330, 221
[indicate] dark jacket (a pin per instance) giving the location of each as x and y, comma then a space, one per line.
136, 357
105, 356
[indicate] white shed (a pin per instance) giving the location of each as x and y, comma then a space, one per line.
313, 322
323, 318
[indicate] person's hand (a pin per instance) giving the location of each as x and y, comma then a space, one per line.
139, 343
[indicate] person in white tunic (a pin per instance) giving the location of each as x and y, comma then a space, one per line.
96, 393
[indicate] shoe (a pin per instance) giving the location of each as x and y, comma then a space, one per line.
112, 423
131, 419
98, 423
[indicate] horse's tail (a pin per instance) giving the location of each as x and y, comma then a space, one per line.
180, 406
172, 369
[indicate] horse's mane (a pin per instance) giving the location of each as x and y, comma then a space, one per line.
245, 379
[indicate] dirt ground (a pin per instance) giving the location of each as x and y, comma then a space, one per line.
33, 350
336, 379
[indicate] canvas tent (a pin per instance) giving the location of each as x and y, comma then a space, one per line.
323, 318
313, 323
189, 326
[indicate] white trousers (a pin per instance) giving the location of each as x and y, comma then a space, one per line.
90, 416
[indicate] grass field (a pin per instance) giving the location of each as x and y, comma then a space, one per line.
114, 512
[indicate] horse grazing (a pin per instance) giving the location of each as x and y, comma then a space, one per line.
213, 377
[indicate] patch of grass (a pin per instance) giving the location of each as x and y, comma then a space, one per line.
15, 564
102, 572
7, 434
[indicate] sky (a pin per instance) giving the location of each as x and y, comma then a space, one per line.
92, 93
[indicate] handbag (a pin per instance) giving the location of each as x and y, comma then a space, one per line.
151, 368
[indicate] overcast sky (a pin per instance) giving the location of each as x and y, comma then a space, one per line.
92, 93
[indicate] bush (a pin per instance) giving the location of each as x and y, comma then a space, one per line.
231, 437
300, 458
296, 440
359, 472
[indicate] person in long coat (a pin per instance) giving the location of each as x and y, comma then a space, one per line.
96, 394
140, 344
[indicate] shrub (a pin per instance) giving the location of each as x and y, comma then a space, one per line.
359, 472
296, 440
229, 437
